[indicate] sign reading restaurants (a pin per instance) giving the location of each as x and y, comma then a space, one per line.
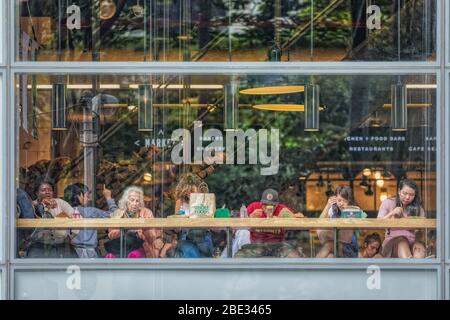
400, 145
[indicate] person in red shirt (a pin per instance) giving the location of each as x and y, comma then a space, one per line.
269, 242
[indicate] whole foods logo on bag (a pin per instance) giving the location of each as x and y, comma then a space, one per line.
201, 209
202, 204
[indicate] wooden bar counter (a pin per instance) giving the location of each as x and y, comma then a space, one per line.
288, 223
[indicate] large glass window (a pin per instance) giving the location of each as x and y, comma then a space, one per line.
266, 145
232, 30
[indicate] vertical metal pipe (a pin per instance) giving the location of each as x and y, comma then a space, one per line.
229, 243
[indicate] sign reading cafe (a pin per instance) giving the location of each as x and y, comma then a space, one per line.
384, 143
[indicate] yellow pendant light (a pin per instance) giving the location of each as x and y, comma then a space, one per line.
107, 9
380, 183
280, 107
273, 90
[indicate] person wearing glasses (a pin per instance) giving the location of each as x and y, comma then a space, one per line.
402, 243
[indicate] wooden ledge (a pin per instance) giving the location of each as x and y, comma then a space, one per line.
288, 223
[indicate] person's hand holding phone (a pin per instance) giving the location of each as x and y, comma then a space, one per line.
331, 200
397, 212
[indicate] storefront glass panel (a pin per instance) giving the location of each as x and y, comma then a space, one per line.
211, 145
225, 30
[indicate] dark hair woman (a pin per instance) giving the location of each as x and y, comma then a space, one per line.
78, 195
343, 198
402, 243
50, 243
371, 247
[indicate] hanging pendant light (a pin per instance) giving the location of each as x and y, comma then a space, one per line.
59, 106
369, 191
275, 52
145, 108
137, 9
107, 9
399, 115
311, 107
231, 102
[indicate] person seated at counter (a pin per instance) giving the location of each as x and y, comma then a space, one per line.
79, 196
50, 243
193, 243
267, 242
140, 243
347, 242
24, 210
371, 247
400, 243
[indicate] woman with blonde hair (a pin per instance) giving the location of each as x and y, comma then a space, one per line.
194, 243
189, 183
140, 243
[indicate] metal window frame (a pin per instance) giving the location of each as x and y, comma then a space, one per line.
3, 179
3, 165
446, 277
4, 292
4, 140
445, 71
445, 17
446, 220
337, 71
3, 24
442, 263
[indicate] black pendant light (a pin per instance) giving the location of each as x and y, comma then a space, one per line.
231, 102
145, 108
399, 110
59, 106
311, 107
